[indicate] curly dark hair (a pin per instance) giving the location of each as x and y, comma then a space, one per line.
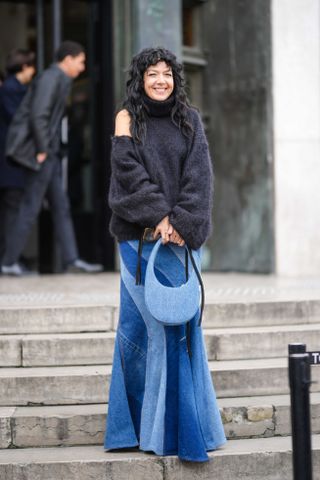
134, 102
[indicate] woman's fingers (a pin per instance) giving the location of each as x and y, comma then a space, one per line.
167, 232
175, 237
156, 233
164, 235
163, 232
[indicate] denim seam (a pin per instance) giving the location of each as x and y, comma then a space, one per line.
132, 345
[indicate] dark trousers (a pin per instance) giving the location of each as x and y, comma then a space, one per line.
45, 183
10, 199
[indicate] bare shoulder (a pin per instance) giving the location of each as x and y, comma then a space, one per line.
122, 123
123, 114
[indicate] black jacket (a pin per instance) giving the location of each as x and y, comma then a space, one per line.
36, 126
11, 95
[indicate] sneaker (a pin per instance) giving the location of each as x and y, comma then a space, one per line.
15, 270
80, 266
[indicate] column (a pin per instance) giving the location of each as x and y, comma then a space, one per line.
296, 105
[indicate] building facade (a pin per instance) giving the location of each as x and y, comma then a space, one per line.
252, 67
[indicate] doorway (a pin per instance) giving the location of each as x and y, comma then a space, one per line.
90, 118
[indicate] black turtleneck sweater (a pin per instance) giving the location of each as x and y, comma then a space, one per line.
170, 174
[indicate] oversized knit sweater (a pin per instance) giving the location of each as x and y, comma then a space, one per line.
169, 174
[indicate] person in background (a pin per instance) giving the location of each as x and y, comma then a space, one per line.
42, 111
20, 68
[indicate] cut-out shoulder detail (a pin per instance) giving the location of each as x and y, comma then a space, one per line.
122, 124
119, 137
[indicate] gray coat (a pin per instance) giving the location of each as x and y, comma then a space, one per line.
36, 125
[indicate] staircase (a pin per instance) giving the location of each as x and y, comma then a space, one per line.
56, 353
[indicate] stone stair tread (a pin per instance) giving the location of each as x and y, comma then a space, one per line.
101, 408
261, 329
16, 302
97, 453
268, 458
90, 383
206, 330
75, 425
59, 335
54, 410
81, 370
277, 400
58, 318
220, 313
93, 348
92, 408
65, 370
261, 363
248, 364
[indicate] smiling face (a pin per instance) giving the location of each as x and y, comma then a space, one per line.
158, 81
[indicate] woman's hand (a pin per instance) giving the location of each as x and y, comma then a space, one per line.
175, 237
164, 229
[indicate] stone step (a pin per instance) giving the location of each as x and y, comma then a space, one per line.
263, 416
54, 385
24, 319
268, 458
261, 313
55, 319
97, 347
240, 378
89, 384
259, 342
69, 425
63, 349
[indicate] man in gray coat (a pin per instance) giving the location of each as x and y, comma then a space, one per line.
34, 138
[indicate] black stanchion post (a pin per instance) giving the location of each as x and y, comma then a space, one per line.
297, 348
300, 379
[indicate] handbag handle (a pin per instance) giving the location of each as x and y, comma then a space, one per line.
189, 251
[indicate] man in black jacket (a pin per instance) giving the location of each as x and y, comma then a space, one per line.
20, 68
35, 136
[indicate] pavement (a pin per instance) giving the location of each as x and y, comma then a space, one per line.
103, 289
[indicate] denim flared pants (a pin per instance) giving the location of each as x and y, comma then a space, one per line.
161, 398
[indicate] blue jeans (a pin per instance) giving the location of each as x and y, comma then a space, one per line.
161, 399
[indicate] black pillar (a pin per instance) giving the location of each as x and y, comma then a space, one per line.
102, 121
40, 37
56, 24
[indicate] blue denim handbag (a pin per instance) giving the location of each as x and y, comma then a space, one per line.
173, 305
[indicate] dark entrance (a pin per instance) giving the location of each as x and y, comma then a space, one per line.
90, 117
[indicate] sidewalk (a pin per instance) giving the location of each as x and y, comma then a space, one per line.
103, 289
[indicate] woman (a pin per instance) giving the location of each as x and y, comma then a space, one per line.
161, 395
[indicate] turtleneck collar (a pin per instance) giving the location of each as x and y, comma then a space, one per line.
158, 108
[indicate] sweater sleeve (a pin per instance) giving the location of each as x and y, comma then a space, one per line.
132, 194
191, 216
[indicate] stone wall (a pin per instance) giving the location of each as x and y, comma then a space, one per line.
237, 90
